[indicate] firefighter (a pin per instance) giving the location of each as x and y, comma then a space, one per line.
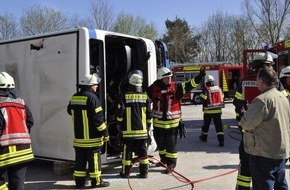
285, 80
134, 117
166, 96
212, 98
90, 132
15, 121
245, 93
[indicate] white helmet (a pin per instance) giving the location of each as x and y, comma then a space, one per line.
163, 72
208, 78
6, 81
285, 72
136, 78
261, 58
90, 80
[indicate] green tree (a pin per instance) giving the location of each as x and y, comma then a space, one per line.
136, 26
181, 41
8, 26
39, 20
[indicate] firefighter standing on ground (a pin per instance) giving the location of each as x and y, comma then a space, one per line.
166, 96
90, 132
212, 98
15, 121
245, 93
134, 116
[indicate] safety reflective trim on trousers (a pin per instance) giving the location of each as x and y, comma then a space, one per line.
171, 155
102, 127
244, 181
183, 88
204, 133
3, 187
220, 133
162, 152
80, 173
98, 109
16, 160
78, 100
97, 171
144, 161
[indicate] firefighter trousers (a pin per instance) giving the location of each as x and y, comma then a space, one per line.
216, 117
92, 157
138, 147
244, 175
166, 140
16, 176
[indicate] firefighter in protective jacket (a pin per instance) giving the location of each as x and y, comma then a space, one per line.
245, 93
212, 98
285, 80
90, 132
15, 143
166, 96
134, 117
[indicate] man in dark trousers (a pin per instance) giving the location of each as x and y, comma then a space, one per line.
134, 117
15, 143
90, 132
166, 96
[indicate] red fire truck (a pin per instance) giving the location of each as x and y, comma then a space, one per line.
227, 76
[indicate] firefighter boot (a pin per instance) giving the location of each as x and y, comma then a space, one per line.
143, 168
203, 137
125, 171
221, 140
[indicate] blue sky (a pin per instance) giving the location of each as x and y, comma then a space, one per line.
195, 12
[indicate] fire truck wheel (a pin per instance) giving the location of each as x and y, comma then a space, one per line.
196, 99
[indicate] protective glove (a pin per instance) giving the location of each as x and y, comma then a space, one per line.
202, 71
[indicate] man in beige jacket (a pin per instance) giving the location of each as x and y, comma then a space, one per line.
266, 138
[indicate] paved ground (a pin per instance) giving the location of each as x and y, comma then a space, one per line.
209, 166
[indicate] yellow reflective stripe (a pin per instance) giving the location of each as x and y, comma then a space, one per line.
102, 127
220, 133
73, 115
85, 143
85, 124
225, 84
97, 172
244, 181
162, 152
144, 161
203, 96
193, 84
136, 96
183, 88
128, 115
144, 123
80, 173
16, 156
171, 155
203, 133
119, 119
98, 109
78, 100
212, 111
239, 96
3, 187
149, 121
166, 124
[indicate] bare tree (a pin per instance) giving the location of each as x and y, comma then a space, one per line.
38, 20
137, 26
102, 15
268, 18
8, 26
